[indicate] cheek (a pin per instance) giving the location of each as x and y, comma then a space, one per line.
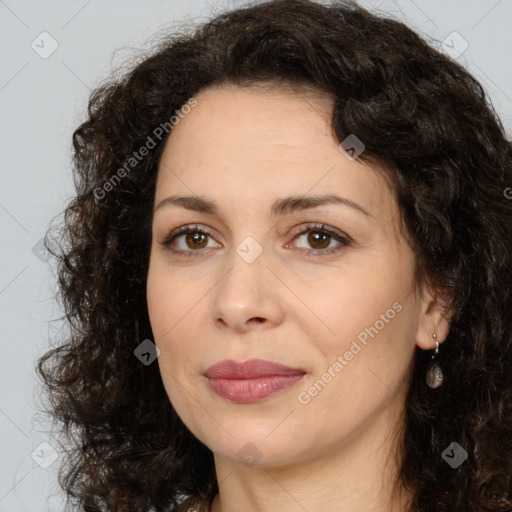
170, 299
369, 317
357, 300
166, 308
176, 307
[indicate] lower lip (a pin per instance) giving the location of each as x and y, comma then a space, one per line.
252, 390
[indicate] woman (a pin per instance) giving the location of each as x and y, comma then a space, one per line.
287, 276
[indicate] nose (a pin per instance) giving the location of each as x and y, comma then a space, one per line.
247, 294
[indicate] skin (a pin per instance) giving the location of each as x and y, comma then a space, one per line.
245, 148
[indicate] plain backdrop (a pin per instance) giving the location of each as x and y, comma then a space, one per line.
52, 54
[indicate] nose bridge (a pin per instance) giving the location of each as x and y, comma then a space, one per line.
245, 292
247, 267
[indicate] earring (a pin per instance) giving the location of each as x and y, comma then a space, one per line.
434, 375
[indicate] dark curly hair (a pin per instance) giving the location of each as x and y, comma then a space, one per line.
437, 139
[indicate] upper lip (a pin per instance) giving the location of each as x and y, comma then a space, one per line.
254, 368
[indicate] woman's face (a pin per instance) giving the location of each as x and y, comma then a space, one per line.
258, 286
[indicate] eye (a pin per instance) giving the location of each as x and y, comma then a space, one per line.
196, 240
194, 237
320, 238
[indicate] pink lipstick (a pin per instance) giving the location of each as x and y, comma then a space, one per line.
251, 381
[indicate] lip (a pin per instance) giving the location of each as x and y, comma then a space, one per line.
252, 380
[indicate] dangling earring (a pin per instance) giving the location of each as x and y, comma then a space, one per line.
434, 376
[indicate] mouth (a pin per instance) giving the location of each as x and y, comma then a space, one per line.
252, 380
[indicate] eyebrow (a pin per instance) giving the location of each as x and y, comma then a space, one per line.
283, 206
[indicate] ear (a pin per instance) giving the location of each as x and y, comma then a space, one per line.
434, 318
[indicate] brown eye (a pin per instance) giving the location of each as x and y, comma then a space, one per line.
196, 238
317, 237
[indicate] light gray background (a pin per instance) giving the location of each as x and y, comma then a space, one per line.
43, 100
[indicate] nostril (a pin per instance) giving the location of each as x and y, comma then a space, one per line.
257, 319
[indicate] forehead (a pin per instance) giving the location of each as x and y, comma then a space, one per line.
244, 117
266, 143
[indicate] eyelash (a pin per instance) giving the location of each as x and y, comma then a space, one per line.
317, 228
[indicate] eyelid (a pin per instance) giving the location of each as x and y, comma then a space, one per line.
311, 226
